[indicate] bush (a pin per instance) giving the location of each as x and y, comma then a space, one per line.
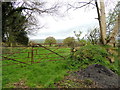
82, 42
92, 54
69, 41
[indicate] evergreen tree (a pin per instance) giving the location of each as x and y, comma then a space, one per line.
13, 25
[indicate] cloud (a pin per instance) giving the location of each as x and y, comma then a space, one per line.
62, 27
60, 32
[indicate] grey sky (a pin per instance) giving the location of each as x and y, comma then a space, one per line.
75, 20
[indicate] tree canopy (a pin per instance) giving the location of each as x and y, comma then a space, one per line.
50, 40
13, 25
69, 41
18, 20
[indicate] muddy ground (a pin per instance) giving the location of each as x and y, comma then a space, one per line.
94, 76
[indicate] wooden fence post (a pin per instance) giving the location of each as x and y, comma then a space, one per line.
32, 56
28, 54
36, 51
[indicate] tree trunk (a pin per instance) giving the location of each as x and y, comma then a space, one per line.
102, 22
112, 38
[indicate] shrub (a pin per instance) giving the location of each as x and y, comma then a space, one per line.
82, 42
92, 54
69, 41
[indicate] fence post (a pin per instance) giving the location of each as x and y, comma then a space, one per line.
32, 55
28, 54
36, 51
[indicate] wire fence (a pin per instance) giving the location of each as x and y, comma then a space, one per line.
30, 55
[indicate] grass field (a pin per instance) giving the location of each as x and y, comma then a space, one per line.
46, 73
39, 56
39, 75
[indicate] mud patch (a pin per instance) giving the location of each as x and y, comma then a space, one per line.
100, 74
73, 82
20, 84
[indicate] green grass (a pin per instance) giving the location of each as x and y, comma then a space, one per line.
37, 56
46, 73
41, 75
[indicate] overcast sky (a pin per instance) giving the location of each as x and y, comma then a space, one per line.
75, 20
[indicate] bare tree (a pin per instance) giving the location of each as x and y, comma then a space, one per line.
93, 36
112, 18
112, 37
78, 35
31, 9
102, 20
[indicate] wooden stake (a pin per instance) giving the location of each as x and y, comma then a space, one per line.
32, 59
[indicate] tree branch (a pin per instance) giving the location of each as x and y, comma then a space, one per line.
86, 3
